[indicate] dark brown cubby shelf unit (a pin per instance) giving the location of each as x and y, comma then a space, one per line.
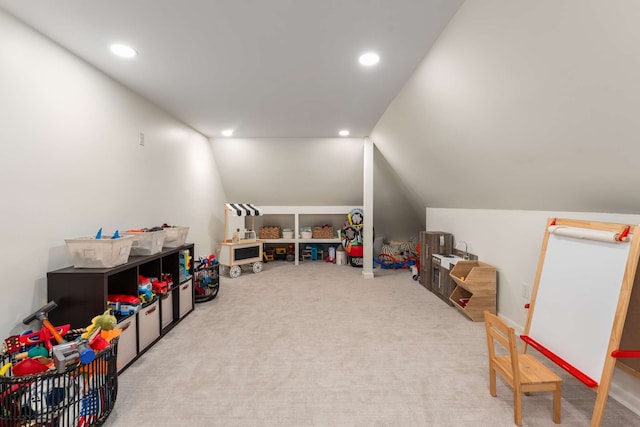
81, 293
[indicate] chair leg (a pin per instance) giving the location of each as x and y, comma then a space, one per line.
557, 395
492, 382
517, 407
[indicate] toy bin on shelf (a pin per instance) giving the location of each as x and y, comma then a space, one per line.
81, 395
270, 232
146, 242
175, 236
475, 289
89, 252
287, 233
323, 232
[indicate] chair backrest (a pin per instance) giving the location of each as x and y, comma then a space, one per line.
498, 331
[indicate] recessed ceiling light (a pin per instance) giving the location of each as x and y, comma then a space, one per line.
343, 132
368, 59
123, 51
227, 132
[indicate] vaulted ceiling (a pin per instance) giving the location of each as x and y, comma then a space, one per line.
276, 68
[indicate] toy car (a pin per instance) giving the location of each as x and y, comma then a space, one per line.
160, 286
123, 305
145, 290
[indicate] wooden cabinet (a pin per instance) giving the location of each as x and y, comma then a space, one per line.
431, 243
441, 283
475, 289
81, 294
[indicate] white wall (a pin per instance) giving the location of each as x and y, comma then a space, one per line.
71, 164
291, 171
511, 241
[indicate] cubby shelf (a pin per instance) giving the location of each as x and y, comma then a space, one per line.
81, 294
476, 281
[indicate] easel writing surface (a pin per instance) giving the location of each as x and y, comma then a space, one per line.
581, 298
576, 300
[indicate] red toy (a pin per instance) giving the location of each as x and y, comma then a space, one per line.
160, 287
123, 305
42, 336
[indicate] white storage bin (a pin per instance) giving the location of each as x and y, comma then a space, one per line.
148, 325
175, 236
146, 242
166, 309
186, 298
127, 342
89, 252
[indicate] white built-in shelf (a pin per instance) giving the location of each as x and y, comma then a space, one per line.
287, 241
294, 217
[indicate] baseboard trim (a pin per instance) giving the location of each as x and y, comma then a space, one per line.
626, 399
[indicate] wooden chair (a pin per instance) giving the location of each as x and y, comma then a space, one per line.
522, 372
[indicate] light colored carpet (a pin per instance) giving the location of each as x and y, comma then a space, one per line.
318, 345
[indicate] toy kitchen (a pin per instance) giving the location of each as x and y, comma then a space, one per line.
437, 261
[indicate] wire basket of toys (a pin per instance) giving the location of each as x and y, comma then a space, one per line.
73, 383
207, 278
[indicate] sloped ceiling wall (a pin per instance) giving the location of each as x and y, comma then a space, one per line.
523, 105
315, 172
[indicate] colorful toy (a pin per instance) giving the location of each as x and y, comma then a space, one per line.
29, 366
123, 305
160, 287
184, 260
92, 406
269, 254
207, 282
145, 290
104, 322
12, 344
351, 236
280, 254
291, 255
71, 351
65, 351
42, 336
48, 395
331, 257
37, 351
47, 327
166, 277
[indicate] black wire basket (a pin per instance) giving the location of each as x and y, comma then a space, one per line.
207, 281
83, 395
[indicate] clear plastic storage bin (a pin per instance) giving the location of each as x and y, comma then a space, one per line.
89, 252
146, 242
175, 236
